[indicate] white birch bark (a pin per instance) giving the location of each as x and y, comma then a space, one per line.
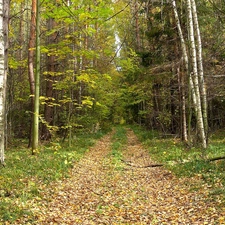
35, 133
2, 88
3, 73
198, 107
185, 58
200, 66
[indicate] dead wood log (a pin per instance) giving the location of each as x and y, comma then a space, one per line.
146, 166
216, 158
129, 163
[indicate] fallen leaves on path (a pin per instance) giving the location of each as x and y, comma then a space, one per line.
99, 192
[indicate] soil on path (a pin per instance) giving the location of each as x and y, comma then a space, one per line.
101, 191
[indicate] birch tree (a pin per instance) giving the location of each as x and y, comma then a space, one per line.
195, 71
4, 11
37, 82
194, 67
200, 67
186, 63
31, 46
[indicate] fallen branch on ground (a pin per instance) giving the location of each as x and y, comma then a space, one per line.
129, 163
216, 158
150, 165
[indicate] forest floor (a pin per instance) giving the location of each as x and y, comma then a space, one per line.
106, 188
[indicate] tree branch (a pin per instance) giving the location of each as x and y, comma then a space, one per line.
129, 163
216, 158
147, 166
118, 12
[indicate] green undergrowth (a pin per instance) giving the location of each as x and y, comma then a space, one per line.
25, 176
186, 162
119, 140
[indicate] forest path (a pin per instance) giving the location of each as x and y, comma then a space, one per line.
104, 191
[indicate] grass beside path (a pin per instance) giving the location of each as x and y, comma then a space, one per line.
184, 162
26, 176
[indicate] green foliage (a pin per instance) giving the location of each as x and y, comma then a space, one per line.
144, 135
81, 45
134, 89
130, 66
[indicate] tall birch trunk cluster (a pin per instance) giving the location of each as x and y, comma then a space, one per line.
192, 58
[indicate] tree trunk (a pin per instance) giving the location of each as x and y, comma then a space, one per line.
193, 77
37, 83
137, 30
4, 16
51, 69
196, 90
181, 81
31, 46
186, 63
200, 68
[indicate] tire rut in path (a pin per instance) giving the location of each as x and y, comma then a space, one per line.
73, 200
102, 192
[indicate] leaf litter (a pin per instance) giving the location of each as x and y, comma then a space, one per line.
101, 192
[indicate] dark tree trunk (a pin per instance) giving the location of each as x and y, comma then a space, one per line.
51, 69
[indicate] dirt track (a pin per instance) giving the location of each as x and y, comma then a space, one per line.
101, 191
